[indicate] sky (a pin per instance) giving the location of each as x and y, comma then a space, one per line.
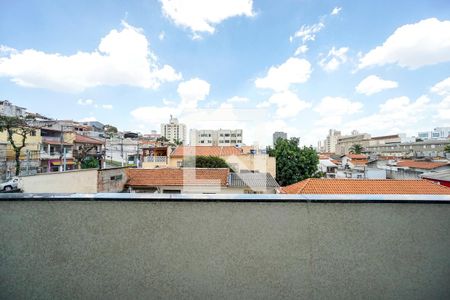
300, 66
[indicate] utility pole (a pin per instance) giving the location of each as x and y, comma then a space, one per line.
28, 161
121, 149
61, 149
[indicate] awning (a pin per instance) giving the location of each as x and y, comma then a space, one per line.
58, 163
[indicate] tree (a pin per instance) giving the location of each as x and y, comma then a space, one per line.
110, 130
162, 139
356, 149
90, 163
82, 154
294, 164
204, 162
20, 127
447, 149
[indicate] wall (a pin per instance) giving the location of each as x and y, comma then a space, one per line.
111, 180
78, 181
223, 250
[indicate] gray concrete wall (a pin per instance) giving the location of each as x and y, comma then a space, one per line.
217, 250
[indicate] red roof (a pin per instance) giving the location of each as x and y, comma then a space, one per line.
81, 139
206, 151
356, 156
177, 177
365, 186
428, 165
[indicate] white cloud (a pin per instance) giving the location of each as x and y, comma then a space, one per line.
88, 119
308, 32
333, 109
443, 109
301, 50
442, 88
279, 78
395, 115
336, 11
107, 106
161, 35
238, 99
334, 59
85, 102
202, 15
288, 104
122, 58
413, 45
373, 84
192, 91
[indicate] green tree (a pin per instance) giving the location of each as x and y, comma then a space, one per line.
447, 149
90, 163
110, 130
20, 127
356, 149
204, 162
293, 163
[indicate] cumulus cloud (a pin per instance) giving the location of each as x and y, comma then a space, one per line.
301, 50
280, 78
333, 109
442, 88
413, 46
308, 32
122, 58
288, 104
373, 84
238, 99
443, 109
334, 59
202, 15
192, 91
336, 11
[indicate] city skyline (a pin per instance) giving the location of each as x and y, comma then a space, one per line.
319, 69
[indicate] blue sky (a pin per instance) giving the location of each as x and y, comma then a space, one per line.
300, 66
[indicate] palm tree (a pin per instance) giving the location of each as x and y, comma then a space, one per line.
356, 149
447, 149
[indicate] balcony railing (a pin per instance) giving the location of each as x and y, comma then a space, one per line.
156, 159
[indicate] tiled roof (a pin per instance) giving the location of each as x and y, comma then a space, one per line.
356, 156
250, 179
177, 177
440, 175
365, 186
428, 165
359, 162
81, 139
205, 151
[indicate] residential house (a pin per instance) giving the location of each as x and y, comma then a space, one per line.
328, 167
56, 149
11, 110
440, 177
366, 186
234, 156
84, 146
412, 169
178, 180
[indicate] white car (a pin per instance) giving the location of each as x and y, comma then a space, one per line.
10, 185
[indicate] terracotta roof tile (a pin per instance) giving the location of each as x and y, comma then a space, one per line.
206, 151
177, 176
356, 156
81, 139
428, 165
365, 186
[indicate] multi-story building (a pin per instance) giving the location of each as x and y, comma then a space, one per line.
120, 151
344, 143
174, 131
278, 135
220, 137
438, 133
331, 140
428, 148
11, 110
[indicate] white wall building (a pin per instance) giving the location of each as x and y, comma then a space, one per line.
331, 141
438, 133
220, 137
11, 110
174, 131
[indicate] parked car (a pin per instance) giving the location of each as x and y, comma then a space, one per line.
12, 184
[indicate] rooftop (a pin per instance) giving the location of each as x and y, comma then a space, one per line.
355, 156
250, 179
206, 151
366, 186
177, 177
427, 165
81, 139
440, 175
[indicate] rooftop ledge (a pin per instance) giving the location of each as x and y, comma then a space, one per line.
281, 198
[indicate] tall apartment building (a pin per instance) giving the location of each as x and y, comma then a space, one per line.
11, 110
331, 141
220, 137
438, 133
279, 134
174, 131
344, 143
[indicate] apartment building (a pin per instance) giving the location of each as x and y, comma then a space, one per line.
220, 137
11, 110
344, 143
330, 142
438, 133
429, 148
174, 131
